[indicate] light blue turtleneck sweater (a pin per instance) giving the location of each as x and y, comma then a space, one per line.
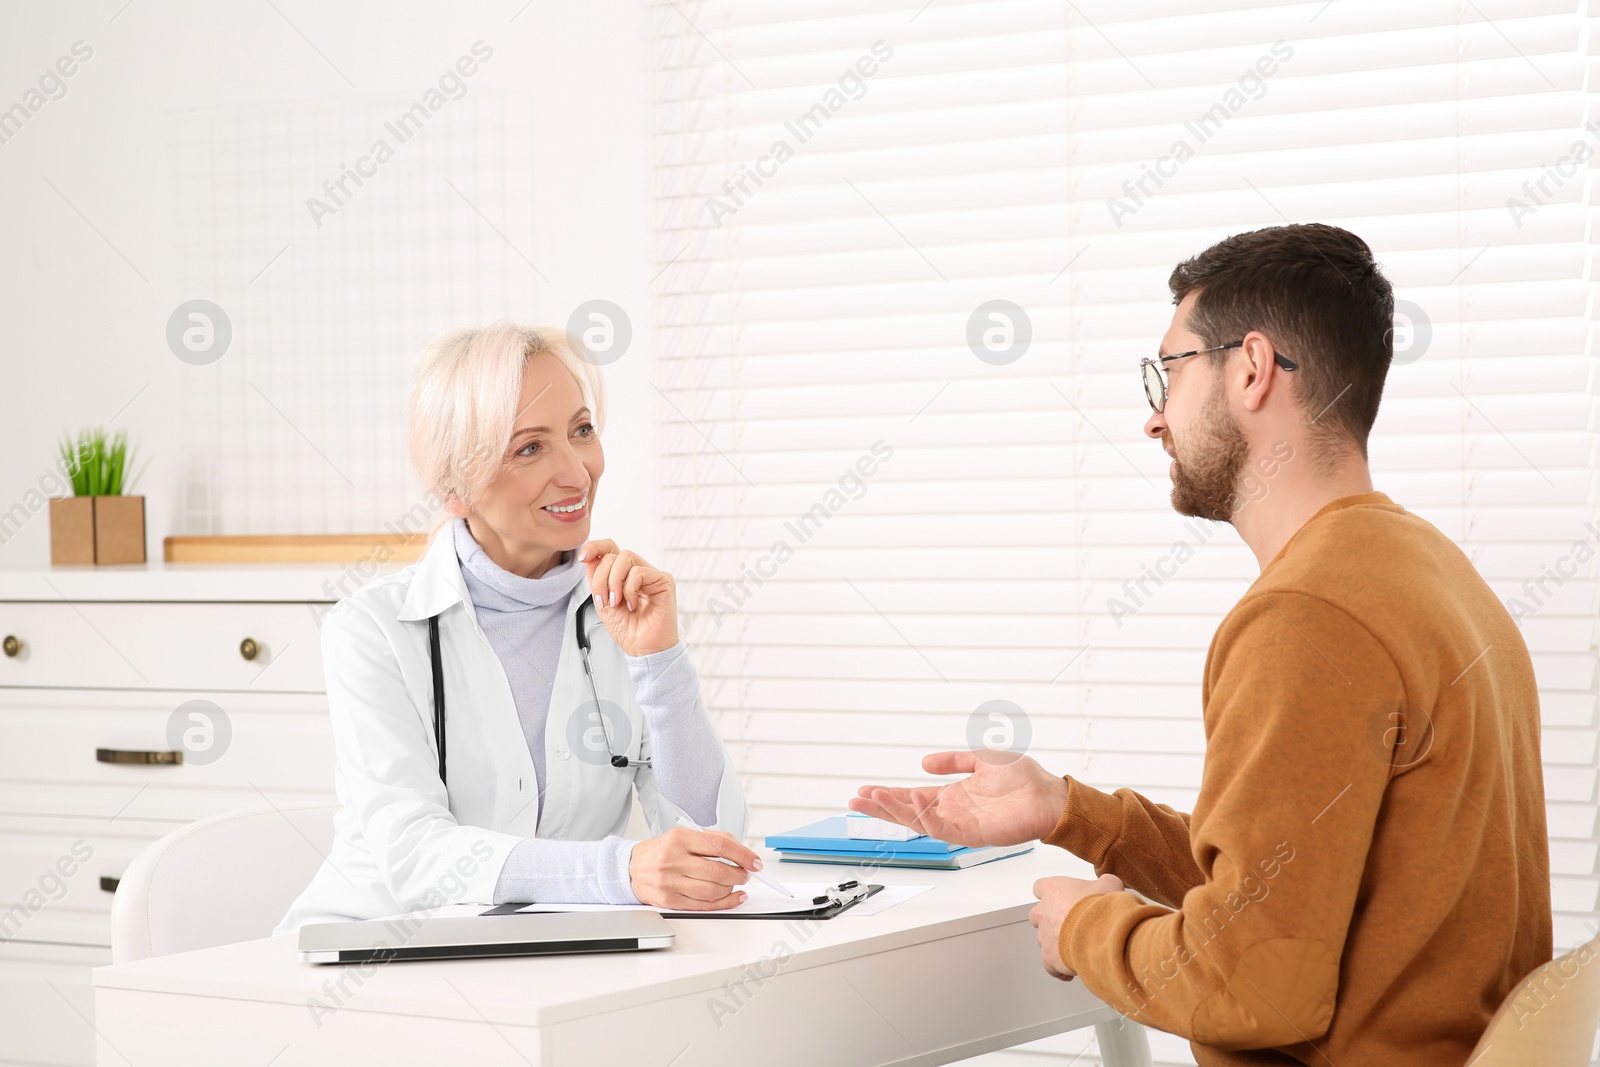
525, 622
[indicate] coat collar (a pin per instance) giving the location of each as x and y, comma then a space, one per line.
436, 581
437, 585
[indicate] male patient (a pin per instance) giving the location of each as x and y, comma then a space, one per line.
1365, 875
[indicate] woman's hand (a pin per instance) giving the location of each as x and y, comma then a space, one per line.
676, 870
637, 602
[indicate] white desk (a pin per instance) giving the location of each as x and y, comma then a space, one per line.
950, 974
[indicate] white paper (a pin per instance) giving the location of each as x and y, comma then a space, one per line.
884, 899
867, 828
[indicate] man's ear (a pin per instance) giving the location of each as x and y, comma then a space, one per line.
1257, 369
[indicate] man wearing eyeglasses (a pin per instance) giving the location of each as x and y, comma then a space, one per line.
1365, 875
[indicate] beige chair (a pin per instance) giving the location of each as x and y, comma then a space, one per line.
1549, 1018
224, 879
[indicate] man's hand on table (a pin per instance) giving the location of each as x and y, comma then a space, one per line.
1056, 898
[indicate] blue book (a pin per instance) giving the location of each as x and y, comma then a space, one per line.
960, 858
829, 835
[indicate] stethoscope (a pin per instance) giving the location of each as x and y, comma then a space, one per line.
617, 760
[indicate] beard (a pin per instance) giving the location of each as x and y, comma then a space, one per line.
1205, 478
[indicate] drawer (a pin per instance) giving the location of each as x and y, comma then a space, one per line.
254, 745
51, 888
173, 807
100, 644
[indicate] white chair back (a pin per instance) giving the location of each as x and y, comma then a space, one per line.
224, 879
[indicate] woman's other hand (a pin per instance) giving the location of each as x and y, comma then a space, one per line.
677, 870
637, 602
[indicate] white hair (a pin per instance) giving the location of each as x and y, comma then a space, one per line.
464, 403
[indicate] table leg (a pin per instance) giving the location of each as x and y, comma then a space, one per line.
1122, 1043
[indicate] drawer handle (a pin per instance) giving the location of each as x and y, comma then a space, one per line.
131, 755
12, 645
249, 649
108, 883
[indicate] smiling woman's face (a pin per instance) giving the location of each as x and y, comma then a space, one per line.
554, 460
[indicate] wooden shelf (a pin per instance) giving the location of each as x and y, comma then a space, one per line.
296, 548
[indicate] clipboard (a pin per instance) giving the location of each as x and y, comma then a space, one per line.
834, 900
840, 898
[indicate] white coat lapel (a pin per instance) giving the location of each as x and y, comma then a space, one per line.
491, 779
587, 797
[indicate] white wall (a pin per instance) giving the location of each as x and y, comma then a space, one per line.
118, 212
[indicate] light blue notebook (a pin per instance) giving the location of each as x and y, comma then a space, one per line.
830, 835
954, 861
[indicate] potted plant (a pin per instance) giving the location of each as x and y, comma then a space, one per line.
98, 523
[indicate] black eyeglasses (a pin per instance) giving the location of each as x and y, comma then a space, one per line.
1155, 382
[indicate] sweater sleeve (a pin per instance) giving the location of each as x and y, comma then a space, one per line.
1298, 758
544, 871
684, 751
1141, 842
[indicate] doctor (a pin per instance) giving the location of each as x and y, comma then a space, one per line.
529, 795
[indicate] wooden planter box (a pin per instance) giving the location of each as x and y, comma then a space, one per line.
97, 529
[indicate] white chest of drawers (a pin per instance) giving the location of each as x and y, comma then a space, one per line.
134, 700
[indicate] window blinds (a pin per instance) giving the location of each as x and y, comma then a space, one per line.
902, 515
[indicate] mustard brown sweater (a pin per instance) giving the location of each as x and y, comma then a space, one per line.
1366, 873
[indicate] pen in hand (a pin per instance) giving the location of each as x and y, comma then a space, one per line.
684, 820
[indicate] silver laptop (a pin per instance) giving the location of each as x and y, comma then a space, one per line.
468, 936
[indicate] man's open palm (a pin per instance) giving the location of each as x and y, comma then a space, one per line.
1005, 800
